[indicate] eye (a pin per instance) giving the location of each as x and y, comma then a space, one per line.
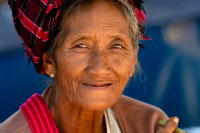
118, 46
80, 46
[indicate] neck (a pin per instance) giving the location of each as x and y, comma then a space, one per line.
70, 118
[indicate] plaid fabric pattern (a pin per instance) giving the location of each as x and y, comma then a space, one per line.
34, 19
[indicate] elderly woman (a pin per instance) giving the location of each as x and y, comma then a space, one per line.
89, 48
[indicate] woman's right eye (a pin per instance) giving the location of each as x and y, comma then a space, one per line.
80, 46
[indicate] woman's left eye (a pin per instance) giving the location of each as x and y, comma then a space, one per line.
117, 46
81, 46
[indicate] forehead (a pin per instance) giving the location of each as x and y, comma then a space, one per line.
101, 16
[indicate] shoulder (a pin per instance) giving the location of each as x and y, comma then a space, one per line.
15, 124
133, 105
138, 116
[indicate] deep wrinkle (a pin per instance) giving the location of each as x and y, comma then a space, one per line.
92, 67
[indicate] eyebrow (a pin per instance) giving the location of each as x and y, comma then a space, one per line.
75, 34
79, 35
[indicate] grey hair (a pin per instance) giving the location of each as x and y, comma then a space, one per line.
73, 5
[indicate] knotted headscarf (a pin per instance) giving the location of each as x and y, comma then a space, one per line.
34, 19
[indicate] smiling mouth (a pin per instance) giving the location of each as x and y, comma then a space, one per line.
97, 85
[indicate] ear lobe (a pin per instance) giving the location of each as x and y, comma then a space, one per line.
48, 64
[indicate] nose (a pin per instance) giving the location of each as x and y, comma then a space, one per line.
98, 63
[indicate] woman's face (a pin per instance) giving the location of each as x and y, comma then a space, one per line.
94, 58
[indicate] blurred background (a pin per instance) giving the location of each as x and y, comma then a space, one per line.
170, 63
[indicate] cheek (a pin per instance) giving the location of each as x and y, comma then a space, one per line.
122, 64
69, 67
70, 63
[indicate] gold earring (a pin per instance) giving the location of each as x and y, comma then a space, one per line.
130, 75
52, 75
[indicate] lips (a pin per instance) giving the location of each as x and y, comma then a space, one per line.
97, 85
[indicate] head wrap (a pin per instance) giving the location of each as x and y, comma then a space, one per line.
34, 19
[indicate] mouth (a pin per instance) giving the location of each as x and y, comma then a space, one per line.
97, 85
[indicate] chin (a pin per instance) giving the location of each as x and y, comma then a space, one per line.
96, 104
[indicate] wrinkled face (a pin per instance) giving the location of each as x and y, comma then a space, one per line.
94, 58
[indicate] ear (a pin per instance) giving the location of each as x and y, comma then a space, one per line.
135, 53
48, 64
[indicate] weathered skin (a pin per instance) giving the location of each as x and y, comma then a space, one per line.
93, 62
